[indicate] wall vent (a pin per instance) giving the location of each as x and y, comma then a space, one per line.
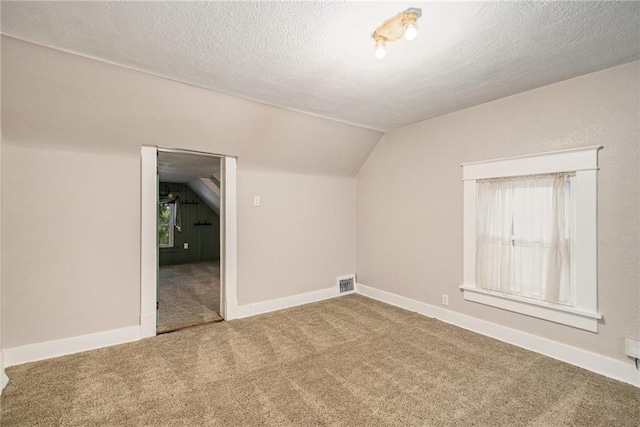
346, 284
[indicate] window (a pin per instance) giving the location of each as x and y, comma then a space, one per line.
530, 235
523, 236
166, 215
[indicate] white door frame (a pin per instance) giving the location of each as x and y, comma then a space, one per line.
148, 237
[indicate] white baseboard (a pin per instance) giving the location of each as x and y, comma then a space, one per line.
603, 365
399, 301
148, 325
248, 310
4, 379
230, 309
46, 350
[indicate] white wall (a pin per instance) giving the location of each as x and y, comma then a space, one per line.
72, 131
409, 198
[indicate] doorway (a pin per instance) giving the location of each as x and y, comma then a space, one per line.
197, 288
189, 203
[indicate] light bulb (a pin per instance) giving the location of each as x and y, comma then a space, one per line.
410, 31
380, 52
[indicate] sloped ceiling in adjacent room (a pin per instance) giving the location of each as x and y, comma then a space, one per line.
317, 57
183, 167
200, 173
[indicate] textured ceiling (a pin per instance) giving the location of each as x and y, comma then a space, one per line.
317, 57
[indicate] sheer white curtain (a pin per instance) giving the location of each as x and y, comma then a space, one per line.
522, 236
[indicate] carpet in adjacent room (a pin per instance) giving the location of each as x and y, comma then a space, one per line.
189, 295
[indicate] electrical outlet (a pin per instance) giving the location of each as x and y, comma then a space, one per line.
256, 200
445, 299
185, 245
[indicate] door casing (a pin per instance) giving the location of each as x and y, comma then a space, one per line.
149, 235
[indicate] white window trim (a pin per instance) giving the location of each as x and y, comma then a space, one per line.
584, 162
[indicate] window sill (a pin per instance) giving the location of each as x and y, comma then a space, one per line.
540, 309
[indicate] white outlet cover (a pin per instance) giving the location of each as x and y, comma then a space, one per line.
256, 200
185, 245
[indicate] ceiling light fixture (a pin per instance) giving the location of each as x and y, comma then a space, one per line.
403, 24
380, 50
410, 31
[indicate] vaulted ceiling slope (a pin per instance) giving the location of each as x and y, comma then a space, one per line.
317, 57
56, 100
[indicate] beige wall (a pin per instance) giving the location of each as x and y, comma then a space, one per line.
300, 237
409, 197
72, 223
72, 131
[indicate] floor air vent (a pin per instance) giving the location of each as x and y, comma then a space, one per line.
346, 284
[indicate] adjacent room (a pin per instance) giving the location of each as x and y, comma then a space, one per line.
287, 213
188, 291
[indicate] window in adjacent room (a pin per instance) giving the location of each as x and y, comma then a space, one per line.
530, 235
166, 227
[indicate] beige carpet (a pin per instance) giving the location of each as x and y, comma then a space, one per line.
349, 361
189, 295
